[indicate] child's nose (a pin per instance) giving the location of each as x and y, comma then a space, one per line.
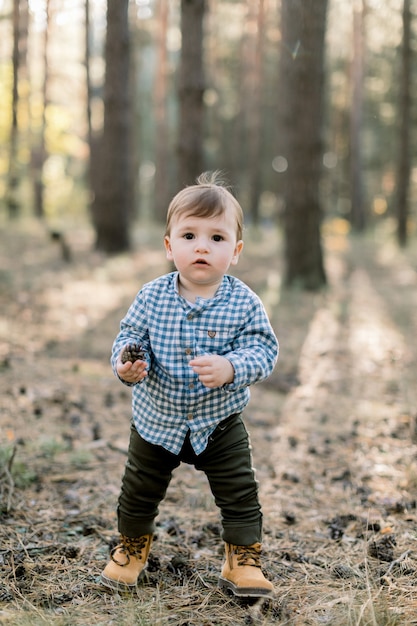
202, 244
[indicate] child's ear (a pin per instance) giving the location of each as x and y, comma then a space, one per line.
168, 249
238, 250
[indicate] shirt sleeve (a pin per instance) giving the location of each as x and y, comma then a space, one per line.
255, 351
133, 329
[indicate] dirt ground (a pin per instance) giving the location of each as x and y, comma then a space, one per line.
334, 434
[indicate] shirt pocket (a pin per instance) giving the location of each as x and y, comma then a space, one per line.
213, 340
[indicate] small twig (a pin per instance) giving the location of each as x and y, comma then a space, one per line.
10, 461
116, 448
7, 468
7, 474
201, 579
402, 556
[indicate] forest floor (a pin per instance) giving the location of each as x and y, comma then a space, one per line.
334, 434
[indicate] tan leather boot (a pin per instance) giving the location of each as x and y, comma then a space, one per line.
127, 564
242, 573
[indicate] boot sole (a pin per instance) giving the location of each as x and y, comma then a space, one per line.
245, 592
118, 585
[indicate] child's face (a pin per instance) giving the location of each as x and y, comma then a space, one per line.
203, 249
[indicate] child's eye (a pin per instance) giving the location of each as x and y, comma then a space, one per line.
188, 236
217, 238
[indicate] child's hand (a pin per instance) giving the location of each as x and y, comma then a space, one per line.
213, 370
131, 372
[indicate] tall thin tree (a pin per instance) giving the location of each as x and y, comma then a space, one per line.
162, 179
256, 127
303, 26
249, 119
113, 193
39, 147
357, 214
12, 179
404, 156
19, 64
191, 91
87, 57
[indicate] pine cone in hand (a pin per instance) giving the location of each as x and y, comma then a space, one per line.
133, 352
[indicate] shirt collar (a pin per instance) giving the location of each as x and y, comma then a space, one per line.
222, 291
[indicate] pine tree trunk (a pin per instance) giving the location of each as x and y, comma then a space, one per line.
358, 218
113, 194
300, 143
39, 153
404, 157
19, 64
162, 180
255, 123
191, 91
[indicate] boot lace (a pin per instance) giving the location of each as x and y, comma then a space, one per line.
129, 546
248, 555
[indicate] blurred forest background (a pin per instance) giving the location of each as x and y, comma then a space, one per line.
108, 108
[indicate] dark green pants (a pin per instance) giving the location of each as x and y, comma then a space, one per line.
227, 463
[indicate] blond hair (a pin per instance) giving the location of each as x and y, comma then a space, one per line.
208, 198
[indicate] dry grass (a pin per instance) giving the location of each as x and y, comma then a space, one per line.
333, 434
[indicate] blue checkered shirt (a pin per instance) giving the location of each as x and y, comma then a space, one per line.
171, 401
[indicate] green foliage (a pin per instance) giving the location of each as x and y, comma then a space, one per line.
51, 446
14, 470
81, 458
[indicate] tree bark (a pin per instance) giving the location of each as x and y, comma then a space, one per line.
114, 185
39, 150
19, 64
87, 57
191, 91
162, 180
249, 120
300, 142
404, 157
357, 215
12, 178
255, 122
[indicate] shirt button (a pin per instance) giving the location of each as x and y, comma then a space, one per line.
189, 416
189, 316
191, 386
188, 351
